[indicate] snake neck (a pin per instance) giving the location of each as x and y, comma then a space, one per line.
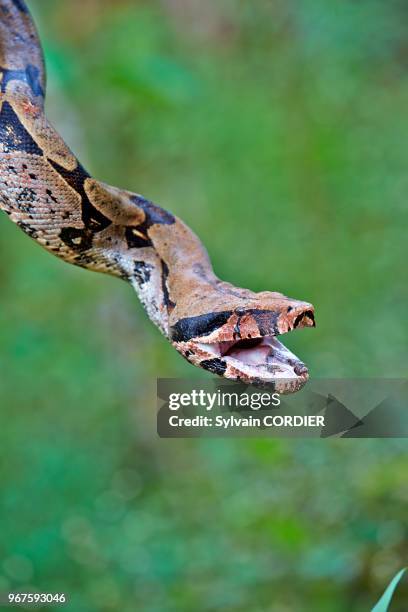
169, 267
176, 280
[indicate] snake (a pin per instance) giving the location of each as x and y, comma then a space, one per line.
226, 330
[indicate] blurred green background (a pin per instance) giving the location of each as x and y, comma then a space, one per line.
278, 131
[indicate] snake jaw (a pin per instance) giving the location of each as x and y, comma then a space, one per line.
245, 348
262, 361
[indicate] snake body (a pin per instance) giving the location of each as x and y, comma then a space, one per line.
46, 191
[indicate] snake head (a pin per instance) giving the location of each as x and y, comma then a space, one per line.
241, 344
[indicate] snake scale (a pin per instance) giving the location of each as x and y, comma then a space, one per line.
46, 191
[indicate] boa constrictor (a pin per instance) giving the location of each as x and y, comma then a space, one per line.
45, 190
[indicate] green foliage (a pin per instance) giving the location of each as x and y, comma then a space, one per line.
277, 131
384, 602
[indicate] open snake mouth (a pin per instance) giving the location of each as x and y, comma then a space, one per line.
253, 355
266, 352
262, 360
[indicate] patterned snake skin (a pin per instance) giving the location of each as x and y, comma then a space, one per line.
44, 189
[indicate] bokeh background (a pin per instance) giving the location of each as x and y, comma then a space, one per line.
278, 131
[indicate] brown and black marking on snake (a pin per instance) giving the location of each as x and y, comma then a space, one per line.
20, 6
94, 221
142, 272
221, 328
30, 75
13, 135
